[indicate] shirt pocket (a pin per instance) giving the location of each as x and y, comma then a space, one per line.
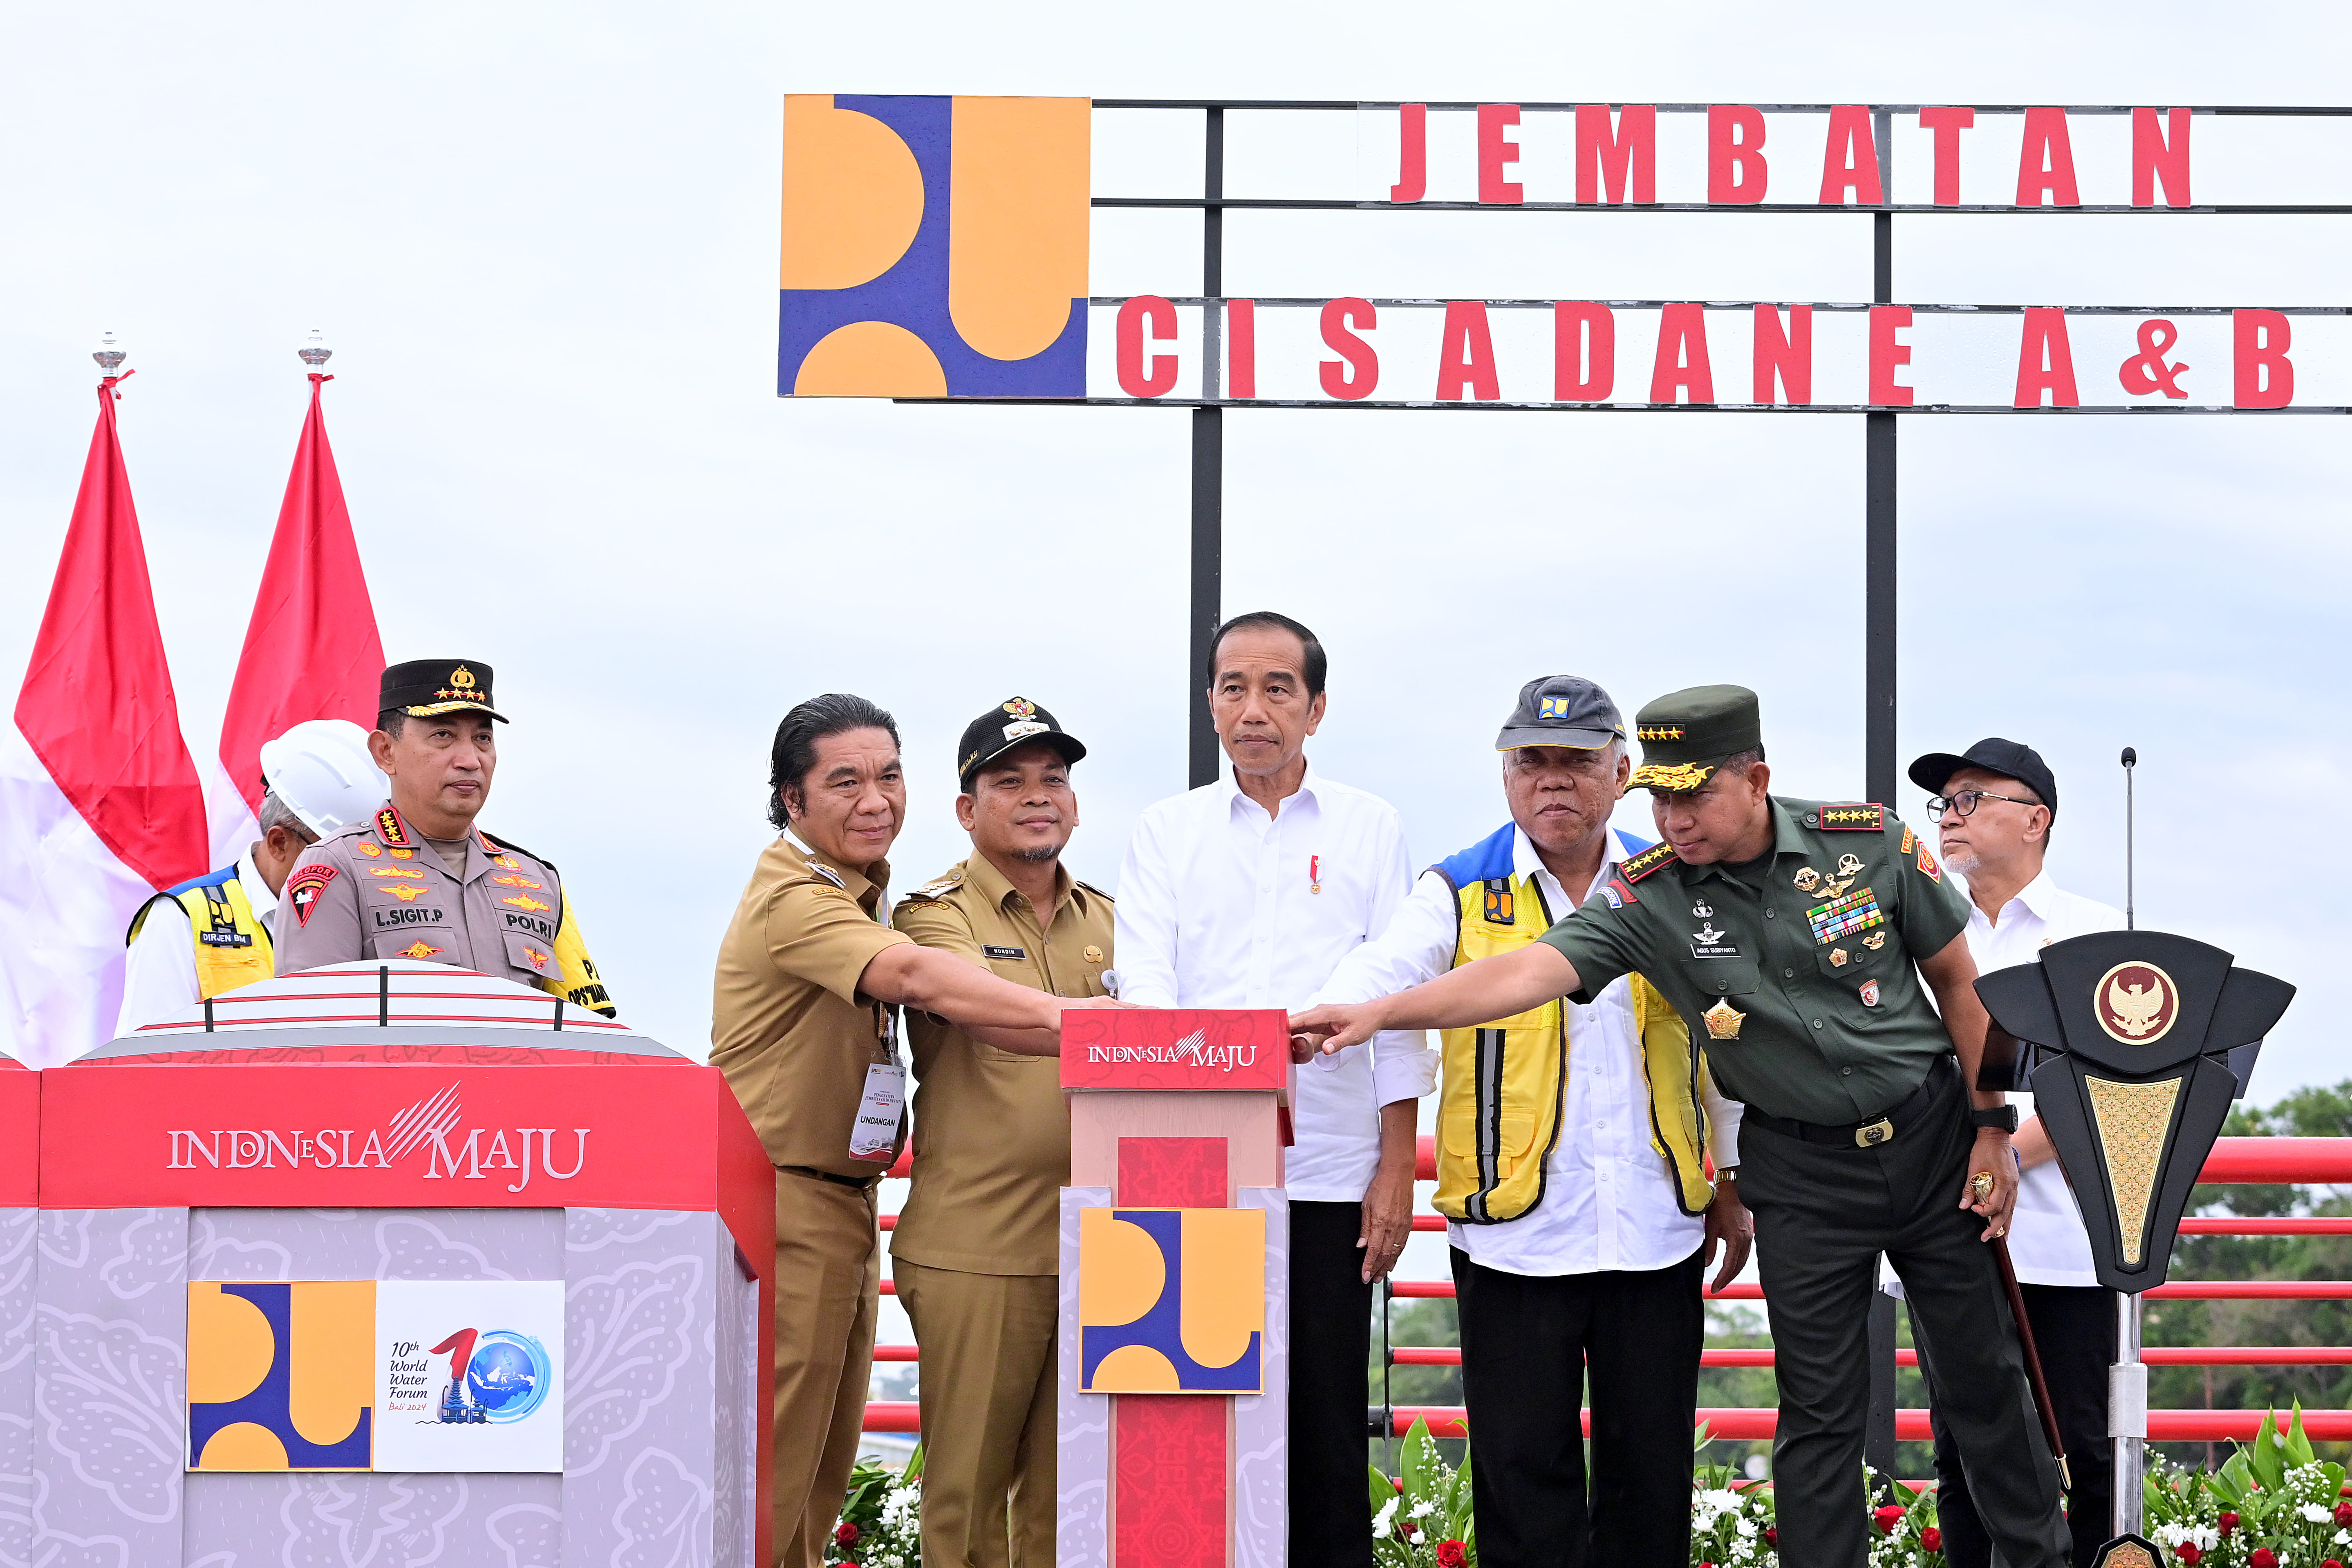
1858, 955
1514, 1142
530, 955
1722, 976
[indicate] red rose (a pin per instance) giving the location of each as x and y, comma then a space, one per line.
2189, 1554
2344, 1514
1405, 1528
1772, 1536
1932, 1538
1886, 1517
2331, 1563
2261, 1557
845, 1533
1450, 1554
2228, 1521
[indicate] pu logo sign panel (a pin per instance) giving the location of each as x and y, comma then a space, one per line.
933, 247
358, 1375
1171, 1301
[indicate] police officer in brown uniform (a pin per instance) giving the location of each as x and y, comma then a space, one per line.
803, 1025
418, 878
977, 1249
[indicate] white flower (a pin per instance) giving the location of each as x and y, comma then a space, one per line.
1421, 1510
2315, 1513
1385, 1519
1745, 1527
1720, 1501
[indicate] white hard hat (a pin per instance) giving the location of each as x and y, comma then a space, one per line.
321, 769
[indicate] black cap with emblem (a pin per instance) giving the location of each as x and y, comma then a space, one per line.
1686, 735
424, 688
2010, 759
1561, 710
1013, 722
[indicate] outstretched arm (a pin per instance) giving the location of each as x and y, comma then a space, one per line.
1489, 988
965, 994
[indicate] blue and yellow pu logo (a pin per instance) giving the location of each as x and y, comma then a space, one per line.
934, 247
1170, 1300
281, 1377
1552, 706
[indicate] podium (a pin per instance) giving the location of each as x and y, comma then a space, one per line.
1174, 1324
383, 1262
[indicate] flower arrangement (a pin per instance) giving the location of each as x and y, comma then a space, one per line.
1732, 1524
881, 1517
1421, 1518
2273, 1505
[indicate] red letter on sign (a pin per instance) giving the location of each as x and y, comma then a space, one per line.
2154, 158
1495, 153
1790, 353
1849, 158
2045, 161
1241, 348
1603, 157
2265, 378
1132, 378
1465, 354
1735, 161
1356, 378
1682, 355
1885, 354
1413, 153
2045, 360
1584, 351
1947, 123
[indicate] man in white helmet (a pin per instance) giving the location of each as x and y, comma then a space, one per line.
212, 934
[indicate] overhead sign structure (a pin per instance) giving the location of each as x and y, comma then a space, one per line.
936, 248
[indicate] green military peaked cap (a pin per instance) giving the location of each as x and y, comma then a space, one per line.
1686, 735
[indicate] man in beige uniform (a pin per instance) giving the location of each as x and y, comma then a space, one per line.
977, 1250
803, 1008
418, 878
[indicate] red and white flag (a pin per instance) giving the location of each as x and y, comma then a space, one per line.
311, 649
100, 806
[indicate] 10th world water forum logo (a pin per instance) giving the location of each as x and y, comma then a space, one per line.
933, 247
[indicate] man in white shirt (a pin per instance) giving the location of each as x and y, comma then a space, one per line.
1572, 1146
1247, 893
194, 941
1993, 806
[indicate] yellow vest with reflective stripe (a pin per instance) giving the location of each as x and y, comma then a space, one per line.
232, 943
1504, 1084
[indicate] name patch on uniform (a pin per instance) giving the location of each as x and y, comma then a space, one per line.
1857, 910
1867, 817
537, 928
305, 886
1647, 861
1498, 902
225, 939
393, 919
1003, 952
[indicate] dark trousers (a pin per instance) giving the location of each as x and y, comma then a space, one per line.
2074, 1332
1330, 1353
1824, 1211
1527, 1344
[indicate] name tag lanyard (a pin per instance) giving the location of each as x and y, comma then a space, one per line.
883, 1106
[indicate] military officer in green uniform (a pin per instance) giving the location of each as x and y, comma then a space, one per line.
1802, 941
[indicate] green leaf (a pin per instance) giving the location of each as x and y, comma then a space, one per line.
1419, 1451
1382, 1487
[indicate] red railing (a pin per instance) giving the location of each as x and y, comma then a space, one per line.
2261, 1161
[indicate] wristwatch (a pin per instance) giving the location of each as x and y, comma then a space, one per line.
1727, 1174
2003, 1117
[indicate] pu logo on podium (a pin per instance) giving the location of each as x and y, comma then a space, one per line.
934, 247
419, 1375
1171, 1301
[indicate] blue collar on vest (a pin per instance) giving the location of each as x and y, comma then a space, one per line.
1495, 857
209, 880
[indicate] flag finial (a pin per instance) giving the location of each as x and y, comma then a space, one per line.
316, 350
109, 354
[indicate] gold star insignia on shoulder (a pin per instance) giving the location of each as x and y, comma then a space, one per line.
1867, 816
1647, 861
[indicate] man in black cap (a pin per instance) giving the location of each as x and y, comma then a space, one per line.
976, 1253
418, 880
1993, 806
1803, 938
1572, 1152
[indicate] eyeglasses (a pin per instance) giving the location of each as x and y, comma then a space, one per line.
1964, 802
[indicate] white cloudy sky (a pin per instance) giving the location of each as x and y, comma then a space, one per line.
544, 239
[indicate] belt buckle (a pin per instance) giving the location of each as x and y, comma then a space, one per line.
1879, 1131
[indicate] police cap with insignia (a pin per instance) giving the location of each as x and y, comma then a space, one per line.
1012, 724
2009, 759
1561, 710
1686, 735
426, 687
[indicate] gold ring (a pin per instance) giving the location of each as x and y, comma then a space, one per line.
1980, 1185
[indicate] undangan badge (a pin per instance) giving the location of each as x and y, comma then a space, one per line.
1723, 1021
